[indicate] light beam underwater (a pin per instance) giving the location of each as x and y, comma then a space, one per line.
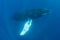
26, 27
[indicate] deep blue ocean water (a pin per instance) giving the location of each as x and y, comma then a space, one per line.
44, 28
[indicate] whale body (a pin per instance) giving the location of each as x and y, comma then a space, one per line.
32, 14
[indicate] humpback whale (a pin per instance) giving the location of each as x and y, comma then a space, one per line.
32, 14
29, 15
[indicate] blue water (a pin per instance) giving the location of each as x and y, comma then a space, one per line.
45, 28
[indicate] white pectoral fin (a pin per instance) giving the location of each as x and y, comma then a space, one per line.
26, 27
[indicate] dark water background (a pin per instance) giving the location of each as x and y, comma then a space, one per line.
45, 28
